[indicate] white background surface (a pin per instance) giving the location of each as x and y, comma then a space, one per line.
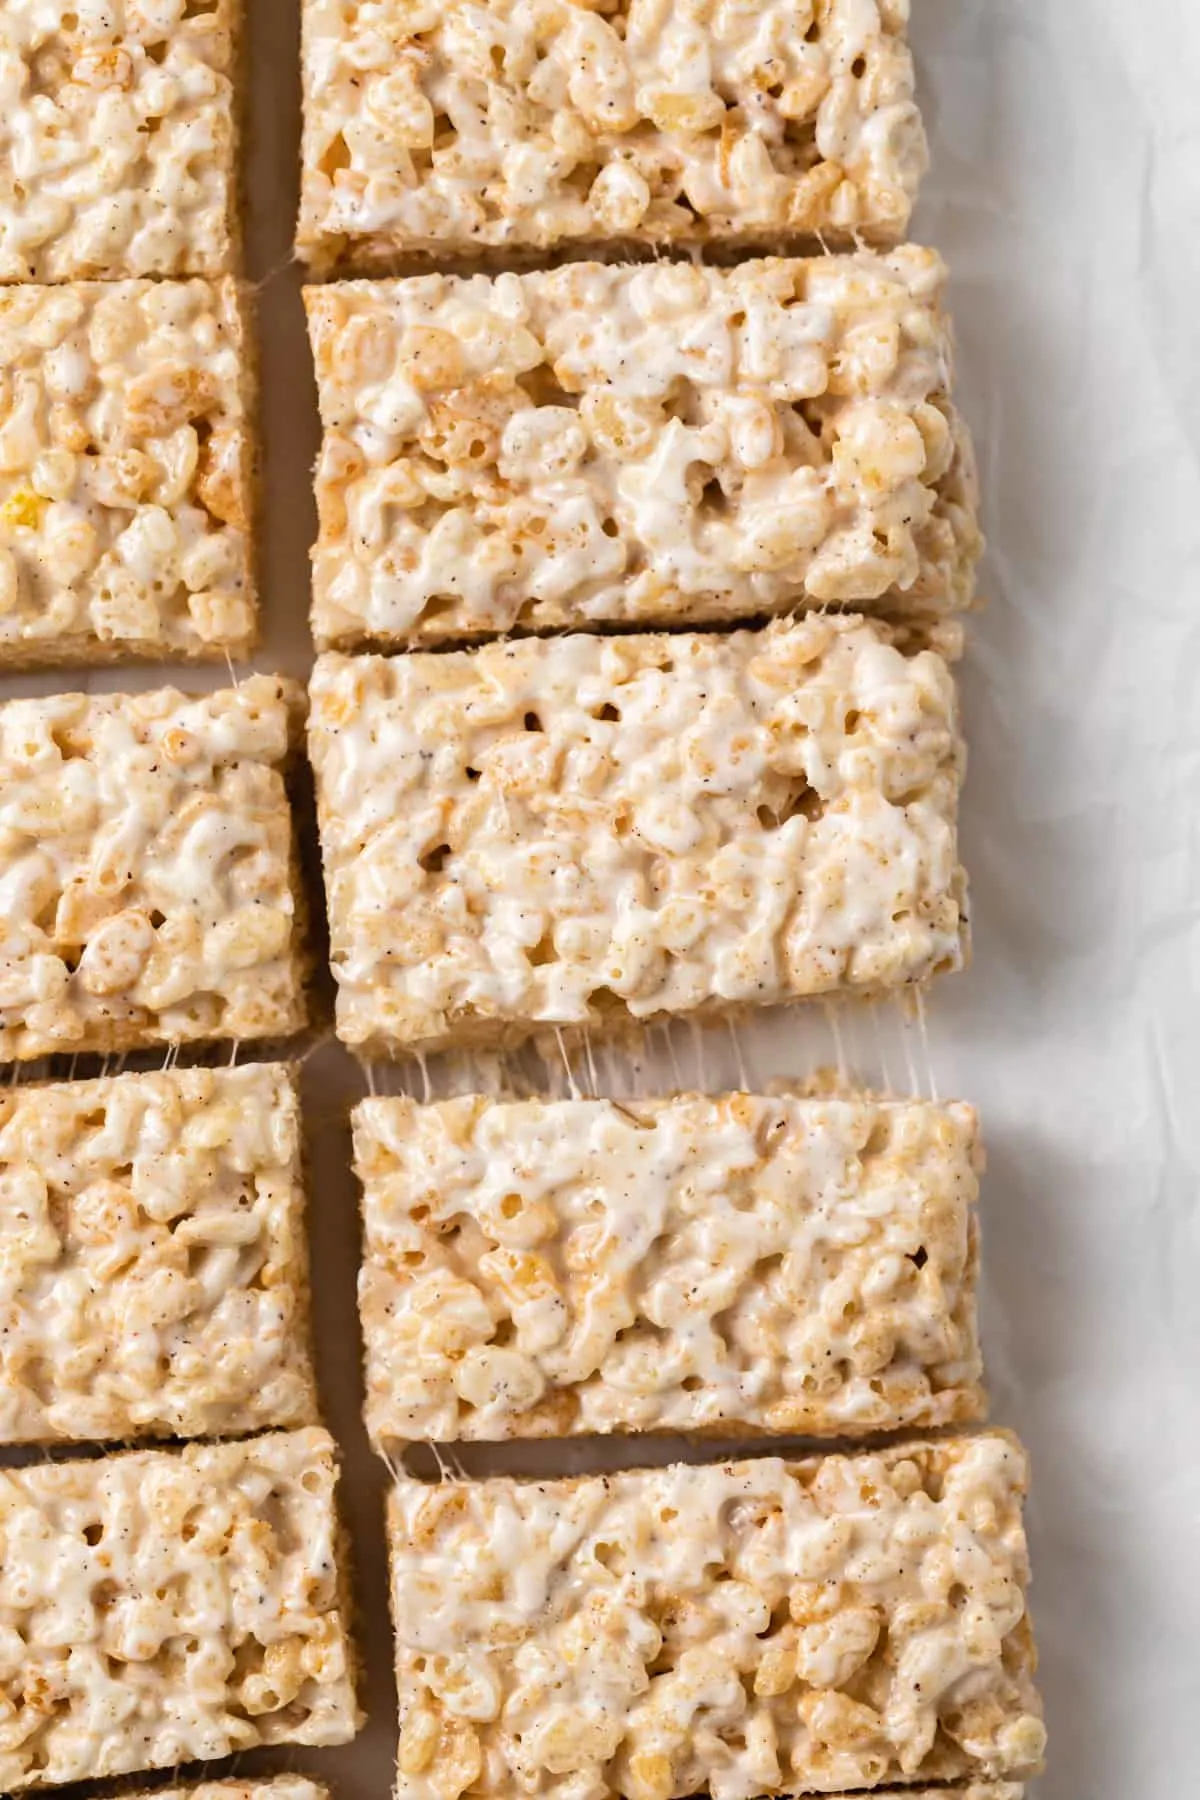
1065, 193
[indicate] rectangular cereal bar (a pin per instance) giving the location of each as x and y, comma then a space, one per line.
579, 831
126, 472
548, 1268
153, 1264
663, 444
451, 127
739, 1629
166, 1607
147, 894
117, 139
291, 1787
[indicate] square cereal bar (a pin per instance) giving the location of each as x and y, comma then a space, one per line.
153, 1263
740, 1629
117, 139
453, 126
549, 1268
579, 831
663, 444
147, 894
165, 1607
126, 472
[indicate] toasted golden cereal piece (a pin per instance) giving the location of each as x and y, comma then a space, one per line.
453, 126
147, 894
166, 1607
580, 831
540, 1268
126, 473
661, 444
117, 139
740, 1629
153, 1263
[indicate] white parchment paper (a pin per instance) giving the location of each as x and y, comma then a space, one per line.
1065, 194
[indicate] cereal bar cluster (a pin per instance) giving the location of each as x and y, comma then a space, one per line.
664, 444
584, 830
116, 138
781, 1265
126, 471
146, 884
153, 1270
448, 126
169, 1607
281, 1787
739, 1629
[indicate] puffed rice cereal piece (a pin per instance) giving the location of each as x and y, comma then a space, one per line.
165, 1607
116, 139
579, 831
548, 1268
449, 126
126, 472
662, 444
153, 1263
741, 1629
147, 894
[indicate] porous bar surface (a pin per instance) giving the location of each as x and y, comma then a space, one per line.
664, 444
126, 472
540, 1268
166, 1607
153, 1264
269, 1787
116, 138
580, 831
975, 1790
146, 883
447, 127
739, 1629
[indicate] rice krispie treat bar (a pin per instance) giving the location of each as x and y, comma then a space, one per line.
153, 1264
976, 1790
286, 1787
662, 444
116, 139
443, 126
126, 472
579, 831
549, 1268
167, 1607
741, 1629
147, 893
